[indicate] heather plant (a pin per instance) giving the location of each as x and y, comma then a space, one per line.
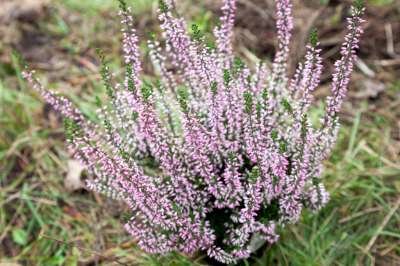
214, 155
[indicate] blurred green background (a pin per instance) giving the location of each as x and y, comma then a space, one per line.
43, 221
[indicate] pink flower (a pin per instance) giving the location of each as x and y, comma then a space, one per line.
214, 155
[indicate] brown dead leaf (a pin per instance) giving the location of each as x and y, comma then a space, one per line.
73, 212
73, 180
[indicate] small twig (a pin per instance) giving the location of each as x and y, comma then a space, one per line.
387, 250
382, 226
389, 40
365, 68
20, 196
388, 62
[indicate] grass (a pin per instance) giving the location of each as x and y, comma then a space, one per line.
43, 224
95, 6
363, 193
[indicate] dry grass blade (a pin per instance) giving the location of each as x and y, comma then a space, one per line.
371, 242
359, 214
98, 254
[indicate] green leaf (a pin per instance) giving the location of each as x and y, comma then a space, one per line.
147, 91
227, 77
248, 102
397, 185
105, 73
287, 106
122, 5
163, 6
214, 87
18, 63
183, 96
197, 35
314, 37
359, 4
20, 236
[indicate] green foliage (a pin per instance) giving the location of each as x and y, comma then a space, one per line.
214, 87
362, 177
248, 102
18, 64
227, 77
20, 236
131, 82
314, 37
238, 65
339, 233
359, 4
147, 91
94, 7
163, 6
72, 129
98, 101
381, 2
254, 174
105, 74
122, 5
183, 96
287, 106
264, 94
197, 35
274, 135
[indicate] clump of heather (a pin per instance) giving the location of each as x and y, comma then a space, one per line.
214, 155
